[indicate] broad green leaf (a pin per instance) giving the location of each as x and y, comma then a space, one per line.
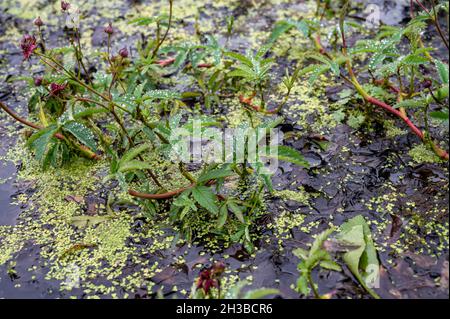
442, 70
89, 112
41, 140
82, 134
286, 154
362, 261
260, 293
241, 73
133, 165
242, 58
161, 95
440, 115
206, 198
237, 211
330, 265
302, 285
414, 59
237, 235
223, 216
411, 103
280, 28
133, 153
214, 174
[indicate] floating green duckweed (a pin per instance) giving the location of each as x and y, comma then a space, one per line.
422, 154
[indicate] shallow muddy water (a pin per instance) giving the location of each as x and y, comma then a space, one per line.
405, 200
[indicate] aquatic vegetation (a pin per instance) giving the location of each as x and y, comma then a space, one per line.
359, 254
208, 286
386, 61
310, 259
67, 106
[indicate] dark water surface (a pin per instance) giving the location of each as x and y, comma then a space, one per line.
355, 168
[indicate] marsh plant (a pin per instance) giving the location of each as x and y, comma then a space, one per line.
119, 114
169, 153
355, 245
208, 285
397, 84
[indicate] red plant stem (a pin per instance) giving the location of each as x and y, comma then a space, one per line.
18, 118
170, 194
158, 196
205, 65
396, 112
440, 152
158, 45
165, 62
249, 102
423, 7
59, 136
169, 61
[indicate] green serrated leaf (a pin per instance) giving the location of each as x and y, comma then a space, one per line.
205, 197
237, 211
442, 70
242, 58
161, 95
214, 174
82, 133
440, 115
280, 28
286, 154
41, 140
414, 59
223, 216
134, 165
133, 153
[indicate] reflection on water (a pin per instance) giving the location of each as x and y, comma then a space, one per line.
8, 212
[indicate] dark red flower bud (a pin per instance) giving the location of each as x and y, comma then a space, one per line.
28, 45
427, 83
38, 80
123, 53
109, 29
38, 22
218, 268
207, 285
65, 6
56, 89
